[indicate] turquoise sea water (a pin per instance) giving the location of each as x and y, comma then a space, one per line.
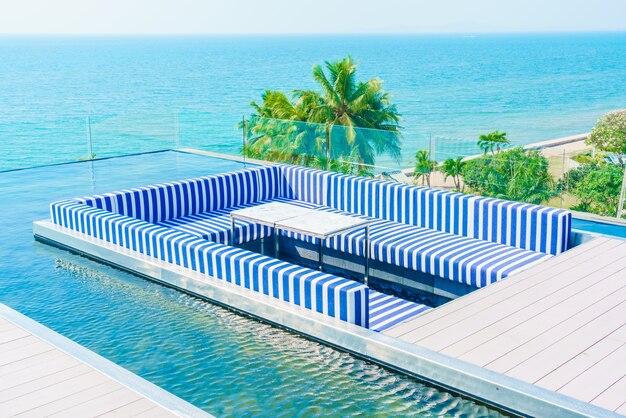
223, 362
452, 88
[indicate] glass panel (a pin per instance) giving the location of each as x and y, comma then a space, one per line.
48, 141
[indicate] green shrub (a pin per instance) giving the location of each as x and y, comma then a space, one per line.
609, 134
515, 174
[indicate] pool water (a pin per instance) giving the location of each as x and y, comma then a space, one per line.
223, 362
605, 228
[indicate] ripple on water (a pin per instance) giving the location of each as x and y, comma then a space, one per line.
226, 363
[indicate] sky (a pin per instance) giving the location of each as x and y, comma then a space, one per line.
308, 17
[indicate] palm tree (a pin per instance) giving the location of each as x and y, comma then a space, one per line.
350, 121
495, 140
453, 167
423, 166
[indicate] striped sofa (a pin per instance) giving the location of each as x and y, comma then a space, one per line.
465, 238
326, 294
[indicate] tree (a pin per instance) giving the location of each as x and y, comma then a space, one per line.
609, 134
423, 166
348, 121
495, 140
515, 174
597, 187
453, 167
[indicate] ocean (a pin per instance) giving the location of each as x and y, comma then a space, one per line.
143, 93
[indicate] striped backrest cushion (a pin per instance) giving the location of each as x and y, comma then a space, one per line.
326, 294
522, 225
378, 199
160, 202
531, 227
306, 184
269, 179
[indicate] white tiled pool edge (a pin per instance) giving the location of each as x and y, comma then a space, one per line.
456, 375
137, 384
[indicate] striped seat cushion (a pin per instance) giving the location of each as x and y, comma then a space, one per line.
386, 311
310, 289
467, 260
178, 199
216, 226
516, 224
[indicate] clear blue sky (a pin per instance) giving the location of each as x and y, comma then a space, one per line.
306, 16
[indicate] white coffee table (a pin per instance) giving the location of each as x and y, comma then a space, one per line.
323, 225
267, 214
306, 221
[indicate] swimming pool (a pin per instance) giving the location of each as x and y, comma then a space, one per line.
223, 362
605, 228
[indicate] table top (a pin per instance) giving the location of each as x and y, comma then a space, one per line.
321, 224
270, 213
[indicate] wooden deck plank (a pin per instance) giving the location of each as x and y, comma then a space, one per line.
20, 342
584, 361
482, 299
564, 261
527, 339
535, 344
595, 380
12, 334
36, 371
507, 333
570, 346
130, 410
30, 362
613, 397
560, 325
69, 401
555, 290
39, 379
50, 393
100, 405
43, 382
152, 413
22, 353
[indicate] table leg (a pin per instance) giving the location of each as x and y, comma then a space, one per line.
232, 231
321, 252
366, 253
276, 249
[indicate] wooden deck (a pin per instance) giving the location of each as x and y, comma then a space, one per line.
560, 325
38, 379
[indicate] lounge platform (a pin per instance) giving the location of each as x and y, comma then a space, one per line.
44, 374
186, 234
560, 325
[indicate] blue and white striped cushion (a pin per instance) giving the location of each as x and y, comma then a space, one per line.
531, 227
216, 226
305, 184
178, 199
323, 293
386, 311
467, 260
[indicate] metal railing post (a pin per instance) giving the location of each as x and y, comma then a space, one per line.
328, 129
176, 130
243, 139
622, 196
89, 144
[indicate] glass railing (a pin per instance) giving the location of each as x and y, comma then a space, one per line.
552, 176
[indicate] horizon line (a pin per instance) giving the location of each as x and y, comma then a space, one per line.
434, 33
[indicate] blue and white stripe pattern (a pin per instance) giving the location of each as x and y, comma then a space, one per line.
182, 198
386, 311
522, 225
310, 289
470, 239
216, 226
